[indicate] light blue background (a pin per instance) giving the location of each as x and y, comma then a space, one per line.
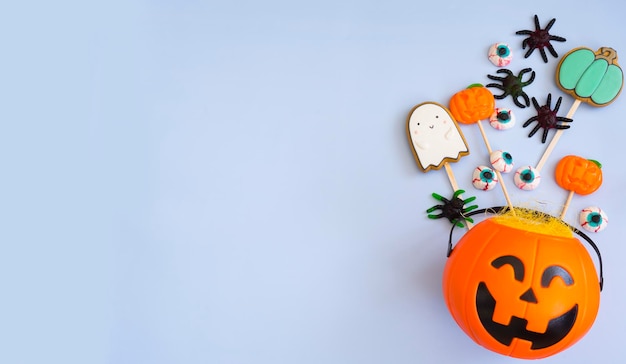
230, 182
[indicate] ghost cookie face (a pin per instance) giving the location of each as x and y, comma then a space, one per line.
434, 136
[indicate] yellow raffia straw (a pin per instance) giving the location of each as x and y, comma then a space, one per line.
534, 221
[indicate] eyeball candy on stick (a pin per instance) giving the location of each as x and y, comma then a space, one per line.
527, 178
501, 161
591, 77
484, 178
577, 175
436, 140
470, 106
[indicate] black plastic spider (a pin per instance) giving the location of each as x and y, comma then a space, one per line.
546, 118
454, 209
540, 38
513, 85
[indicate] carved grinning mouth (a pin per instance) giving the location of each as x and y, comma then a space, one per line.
557, 329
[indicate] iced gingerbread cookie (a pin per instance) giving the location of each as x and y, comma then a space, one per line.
434, 136
500, 54
592, 77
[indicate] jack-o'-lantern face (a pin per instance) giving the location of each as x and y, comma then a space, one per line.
521, 293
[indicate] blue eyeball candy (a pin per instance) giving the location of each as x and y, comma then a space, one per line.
527, 178
501, 161
502, 119
484, 178
500, 54
593, 219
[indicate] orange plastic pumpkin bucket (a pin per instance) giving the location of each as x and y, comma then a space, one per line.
519, 292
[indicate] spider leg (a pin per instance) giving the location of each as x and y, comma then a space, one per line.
543, 55
529, 52
532, 76
524, 32
564, 119
436, 207
468, 200
549, 101
544, 137
561, 126
557, 38
529, 121
436, 216
532, 132
552, 51
550, 24
535, 104
470, 208
495, 78
525, 97
558, 104
525, 43
499, 97
537, 26
457, 193
495, 85
439, 197
504, 70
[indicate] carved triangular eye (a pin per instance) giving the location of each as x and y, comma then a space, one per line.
529, 296
515, 262
556, 271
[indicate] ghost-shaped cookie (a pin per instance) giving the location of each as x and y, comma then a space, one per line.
434, 136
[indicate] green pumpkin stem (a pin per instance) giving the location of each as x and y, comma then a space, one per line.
596, 163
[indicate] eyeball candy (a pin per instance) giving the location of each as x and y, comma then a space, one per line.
484, 178
593, 219
502, 119
501, 161
527, 178
500, 54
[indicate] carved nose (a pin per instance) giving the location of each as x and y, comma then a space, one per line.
529, 296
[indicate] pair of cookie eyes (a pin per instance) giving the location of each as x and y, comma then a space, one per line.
548, 275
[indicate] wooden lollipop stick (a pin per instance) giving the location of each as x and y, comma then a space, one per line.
566, 206
482, 132
455, 187
504, 190
556, 137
